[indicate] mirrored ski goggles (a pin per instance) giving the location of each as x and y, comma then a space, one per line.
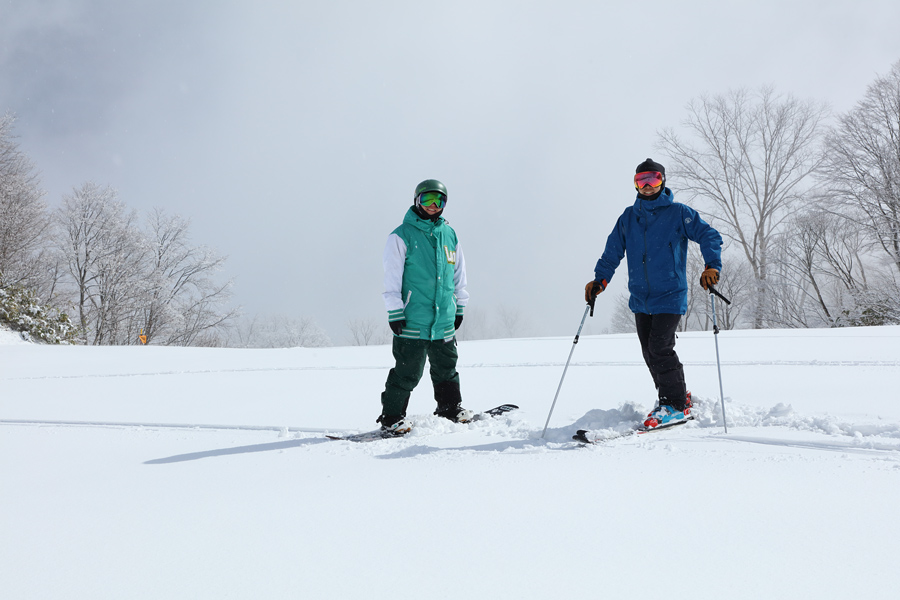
432, 198
651, 178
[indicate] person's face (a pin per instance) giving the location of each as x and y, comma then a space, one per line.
649, 190
431, 209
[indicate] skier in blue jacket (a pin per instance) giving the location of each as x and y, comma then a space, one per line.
653, 234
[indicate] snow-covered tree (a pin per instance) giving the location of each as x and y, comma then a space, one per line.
21, 310
24, 219
103, 252
126, 281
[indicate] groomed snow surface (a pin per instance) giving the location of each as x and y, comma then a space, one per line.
169, 473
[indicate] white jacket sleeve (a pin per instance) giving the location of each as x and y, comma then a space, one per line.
394, 260
459, 280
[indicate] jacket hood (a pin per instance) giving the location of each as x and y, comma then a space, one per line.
642, 205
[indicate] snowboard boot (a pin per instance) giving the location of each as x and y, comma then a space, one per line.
394, 426
456, 413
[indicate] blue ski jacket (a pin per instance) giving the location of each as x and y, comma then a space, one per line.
654, 236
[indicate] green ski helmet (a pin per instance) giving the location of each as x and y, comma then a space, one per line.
430, 185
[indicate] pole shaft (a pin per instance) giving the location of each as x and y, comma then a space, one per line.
572, 351
712, 299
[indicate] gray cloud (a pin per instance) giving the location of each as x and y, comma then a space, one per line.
293, 134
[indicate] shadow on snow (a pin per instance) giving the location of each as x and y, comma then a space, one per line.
237, 450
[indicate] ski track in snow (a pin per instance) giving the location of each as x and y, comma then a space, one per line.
759, 363
605, 425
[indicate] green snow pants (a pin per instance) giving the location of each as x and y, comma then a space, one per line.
410, 358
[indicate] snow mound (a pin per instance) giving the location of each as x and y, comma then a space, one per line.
9, 337
614, 423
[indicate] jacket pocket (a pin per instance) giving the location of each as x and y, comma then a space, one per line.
673, 261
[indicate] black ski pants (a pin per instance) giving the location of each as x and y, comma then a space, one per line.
657, 336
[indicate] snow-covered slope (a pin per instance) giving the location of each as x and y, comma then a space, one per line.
10, 337
204, 473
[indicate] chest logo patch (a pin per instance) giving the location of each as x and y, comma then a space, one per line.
451, 256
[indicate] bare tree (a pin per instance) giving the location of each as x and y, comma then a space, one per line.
862, 166
696, 294
24, 219
828, 275
474, 326
278, 331
511, 321
126, 281
750, 156
184, 300
802, 279
622, 319
367, 331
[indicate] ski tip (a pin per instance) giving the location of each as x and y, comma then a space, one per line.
498, 410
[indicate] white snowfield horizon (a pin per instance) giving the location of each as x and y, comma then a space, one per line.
152, 472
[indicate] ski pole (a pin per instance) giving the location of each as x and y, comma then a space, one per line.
589, 307
712, 298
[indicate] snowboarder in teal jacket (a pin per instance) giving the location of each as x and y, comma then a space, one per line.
424, 294
652, 235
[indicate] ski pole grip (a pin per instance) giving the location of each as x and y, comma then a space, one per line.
713, 290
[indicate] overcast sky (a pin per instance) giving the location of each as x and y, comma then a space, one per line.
293, 134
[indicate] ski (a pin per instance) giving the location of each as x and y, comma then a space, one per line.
582, 434
377, 434
369, 436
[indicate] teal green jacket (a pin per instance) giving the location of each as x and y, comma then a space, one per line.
424, 278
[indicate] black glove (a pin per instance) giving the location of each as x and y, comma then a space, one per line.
457, 322
592, 290
397, 326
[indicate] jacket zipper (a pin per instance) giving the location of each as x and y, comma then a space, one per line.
644, 261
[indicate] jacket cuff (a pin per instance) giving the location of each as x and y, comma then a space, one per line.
396, 315
459, 310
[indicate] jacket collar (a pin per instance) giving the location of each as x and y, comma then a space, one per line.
424, 224
642, 205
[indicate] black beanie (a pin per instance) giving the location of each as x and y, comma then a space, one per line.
650, 165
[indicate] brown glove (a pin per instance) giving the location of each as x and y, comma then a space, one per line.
592, 289
709, 277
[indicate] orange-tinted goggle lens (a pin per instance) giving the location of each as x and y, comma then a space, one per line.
651, 178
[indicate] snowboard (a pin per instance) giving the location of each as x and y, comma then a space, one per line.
377, 434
